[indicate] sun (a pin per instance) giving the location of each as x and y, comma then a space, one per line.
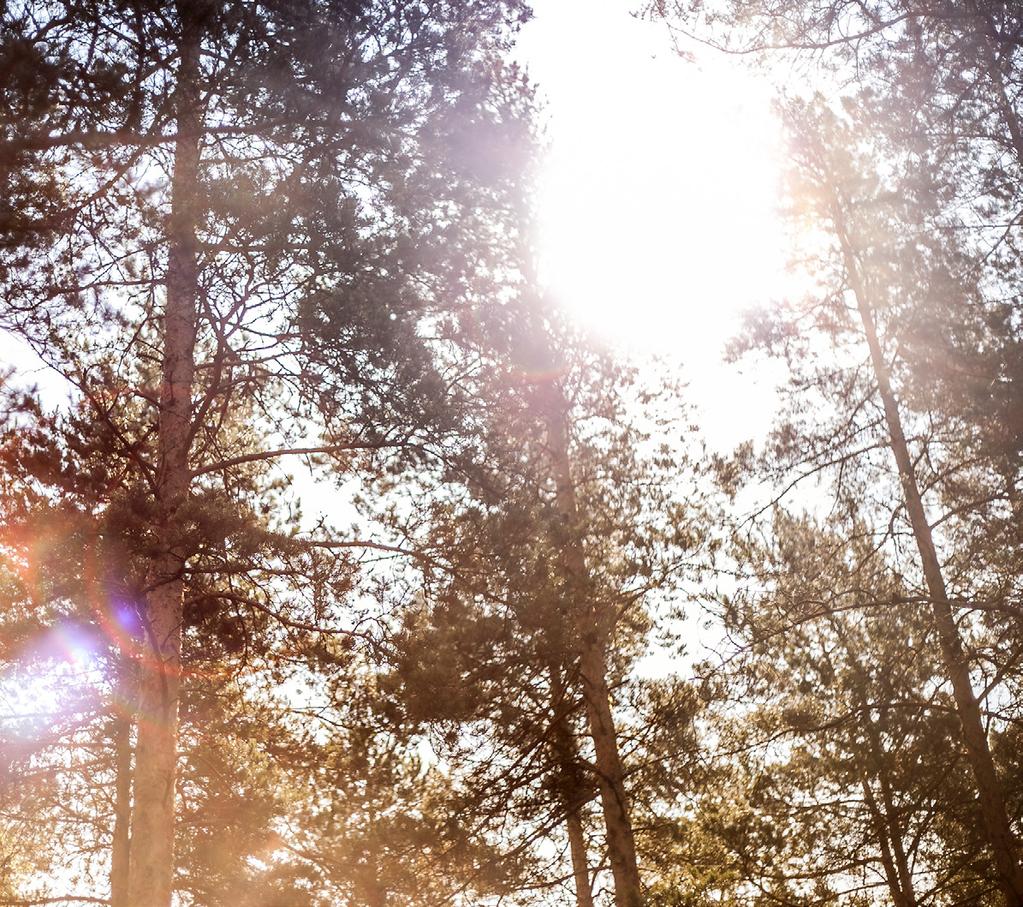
658, 200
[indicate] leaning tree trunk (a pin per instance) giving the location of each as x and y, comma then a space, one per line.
592, 632
991, 797
897, 835
152, 839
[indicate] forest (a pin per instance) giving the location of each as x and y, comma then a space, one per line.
342, 564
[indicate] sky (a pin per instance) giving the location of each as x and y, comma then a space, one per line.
658, 200
657, 205
658, 208
658, 226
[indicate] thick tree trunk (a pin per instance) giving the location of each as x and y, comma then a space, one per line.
991, 797
592, 633
152, 839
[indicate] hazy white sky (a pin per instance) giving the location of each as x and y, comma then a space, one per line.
658, 200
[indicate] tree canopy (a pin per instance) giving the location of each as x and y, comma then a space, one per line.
342, 563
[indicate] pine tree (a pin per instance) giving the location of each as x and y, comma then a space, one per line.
217, 212
912, 188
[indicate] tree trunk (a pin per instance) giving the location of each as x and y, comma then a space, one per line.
592, 628
571, 789
896, 871
988, 44
580, 863
895, 832
122, 808
152, 840
610, 775
886, 822
991, 798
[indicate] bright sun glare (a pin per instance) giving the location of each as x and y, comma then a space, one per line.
658, 201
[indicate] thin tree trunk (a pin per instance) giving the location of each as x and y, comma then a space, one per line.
990, 791
895, 832
887, 861
580, 862
376, 894
122, 808
571, 788
610, 775
899, 896
592, 632
988, 44
152, 840
888, 827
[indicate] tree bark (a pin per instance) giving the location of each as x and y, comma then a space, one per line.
571, 789
886, 822
988, 43
580, 863
152, 840
122, 809
895, 833
991, 797
592, 633
899, 898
